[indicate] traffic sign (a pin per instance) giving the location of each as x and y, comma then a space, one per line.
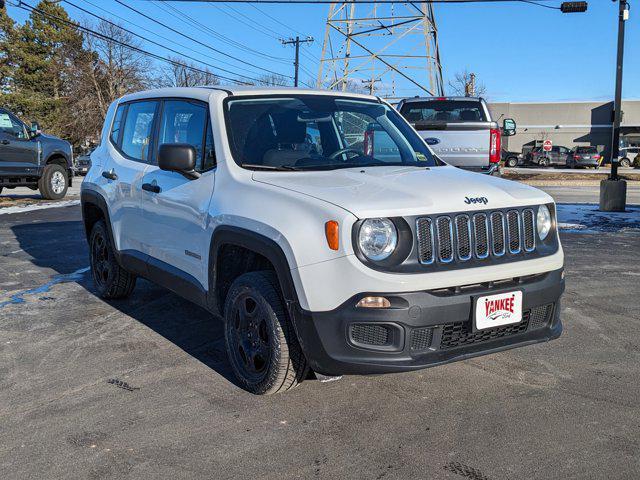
546, 146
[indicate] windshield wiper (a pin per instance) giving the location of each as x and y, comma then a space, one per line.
281, 168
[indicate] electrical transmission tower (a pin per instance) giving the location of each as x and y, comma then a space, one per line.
386, 49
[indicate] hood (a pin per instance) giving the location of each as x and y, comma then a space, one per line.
404, 191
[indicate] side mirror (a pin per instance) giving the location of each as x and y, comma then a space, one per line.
35, 130
180, 158
509, 127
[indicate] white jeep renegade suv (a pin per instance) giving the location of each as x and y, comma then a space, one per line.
270, 208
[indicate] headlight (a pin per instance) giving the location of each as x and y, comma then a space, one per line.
544, 221
377, 238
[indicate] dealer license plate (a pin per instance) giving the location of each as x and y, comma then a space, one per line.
496, 310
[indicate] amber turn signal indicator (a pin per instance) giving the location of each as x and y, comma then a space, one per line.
332, 232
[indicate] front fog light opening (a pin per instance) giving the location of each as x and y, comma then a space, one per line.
377, 238
543, 221
373, 302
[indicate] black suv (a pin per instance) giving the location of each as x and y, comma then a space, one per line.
29, 158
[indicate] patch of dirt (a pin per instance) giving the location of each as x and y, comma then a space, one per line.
13, 202
563, 178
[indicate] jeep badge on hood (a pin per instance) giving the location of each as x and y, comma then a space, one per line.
470, 201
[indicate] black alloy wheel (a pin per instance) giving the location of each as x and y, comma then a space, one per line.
250, 341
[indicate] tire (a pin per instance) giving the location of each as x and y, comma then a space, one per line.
261, 342
512, 162
625, 162
110, 279
543, 163
54, 183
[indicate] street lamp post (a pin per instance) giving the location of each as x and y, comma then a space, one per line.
613, 191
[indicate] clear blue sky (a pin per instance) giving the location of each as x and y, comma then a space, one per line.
520, 52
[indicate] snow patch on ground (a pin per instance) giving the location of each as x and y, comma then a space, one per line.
586, 218
38, 206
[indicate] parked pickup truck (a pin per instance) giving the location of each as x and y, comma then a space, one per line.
270, 208
29, 158
459, 130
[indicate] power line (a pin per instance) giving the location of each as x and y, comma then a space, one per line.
276, 20
88, 31
361, 2
283, 24
235, 18
196, 40
208, 30
540, 4
156, 43
252, 20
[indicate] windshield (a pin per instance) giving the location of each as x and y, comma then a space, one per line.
317, 132
449, 111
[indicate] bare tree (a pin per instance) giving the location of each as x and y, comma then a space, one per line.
105, 69
465, 84
118, 69
356, 86
183, 73
273, 80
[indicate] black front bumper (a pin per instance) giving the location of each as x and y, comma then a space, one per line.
426, 328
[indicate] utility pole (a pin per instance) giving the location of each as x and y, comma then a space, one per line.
613, 191
296, 41
370, 84
617, 106
470, 86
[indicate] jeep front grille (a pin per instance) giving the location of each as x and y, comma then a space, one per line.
445, 239
425, 240
462, 237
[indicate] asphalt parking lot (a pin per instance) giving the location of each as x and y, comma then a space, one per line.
142, 389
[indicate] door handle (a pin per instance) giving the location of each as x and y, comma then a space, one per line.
5, 142
110, 175
148, 187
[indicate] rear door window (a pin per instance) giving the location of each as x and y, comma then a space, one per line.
138, 129
446, 111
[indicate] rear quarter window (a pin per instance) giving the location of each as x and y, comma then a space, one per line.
117, 124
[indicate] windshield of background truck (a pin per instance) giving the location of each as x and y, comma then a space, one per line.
318, 132
446, 111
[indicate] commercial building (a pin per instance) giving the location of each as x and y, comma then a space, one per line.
568, 124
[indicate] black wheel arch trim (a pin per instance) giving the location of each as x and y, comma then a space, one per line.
260, 244
59, 153
90, 197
